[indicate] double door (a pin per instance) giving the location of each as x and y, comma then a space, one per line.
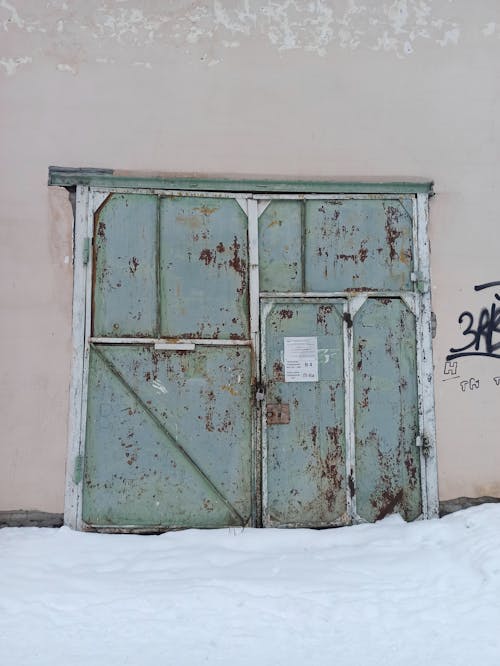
252, 360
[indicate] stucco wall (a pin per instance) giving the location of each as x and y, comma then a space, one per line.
298, 89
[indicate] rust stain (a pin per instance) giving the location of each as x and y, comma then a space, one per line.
411, 468
220, 247
275, 222
391, 501
364, 400
335, 434
133, 264
348, 257
330, 469
405, 256
314, 434
207, 504
229, 389
226, 424
278, 372
207, 256
206, 210
322, 313
286, 314
238, 264
391, 231
101, 230
363, 252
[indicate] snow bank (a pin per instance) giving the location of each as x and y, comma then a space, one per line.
390, 593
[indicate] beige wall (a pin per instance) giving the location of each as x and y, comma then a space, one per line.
297, 89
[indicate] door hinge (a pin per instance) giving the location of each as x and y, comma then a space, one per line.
86, 251
422, 441
420, 282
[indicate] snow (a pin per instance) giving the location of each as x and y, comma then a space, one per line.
390, 593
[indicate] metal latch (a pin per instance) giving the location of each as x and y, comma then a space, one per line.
277, 414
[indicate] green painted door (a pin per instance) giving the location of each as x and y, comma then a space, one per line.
179, 434
337, 274
305, 463
168, 430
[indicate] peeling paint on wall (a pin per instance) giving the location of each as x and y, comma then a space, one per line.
75, 31
11, 64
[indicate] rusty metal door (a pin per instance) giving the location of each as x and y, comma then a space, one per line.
305, 457
168, 438
340, 276
251, 359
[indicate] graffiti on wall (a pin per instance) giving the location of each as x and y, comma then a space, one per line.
481, 331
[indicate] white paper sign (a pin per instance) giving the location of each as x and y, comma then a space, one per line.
301, 359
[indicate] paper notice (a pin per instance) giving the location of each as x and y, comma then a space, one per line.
301, 359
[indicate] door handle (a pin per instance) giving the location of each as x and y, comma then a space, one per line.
175, 346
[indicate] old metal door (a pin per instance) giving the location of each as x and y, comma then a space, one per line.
250, 359
342, 446
168, 427
305, 457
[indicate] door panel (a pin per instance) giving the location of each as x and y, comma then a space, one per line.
358, 244
280, 246
204, 268
125, 251
386, 411
168, 437
305, 470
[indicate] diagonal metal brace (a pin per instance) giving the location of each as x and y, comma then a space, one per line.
114, 370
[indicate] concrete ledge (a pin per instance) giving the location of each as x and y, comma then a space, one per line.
450, 506
22, 518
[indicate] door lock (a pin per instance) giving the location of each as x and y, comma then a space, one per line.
260, 394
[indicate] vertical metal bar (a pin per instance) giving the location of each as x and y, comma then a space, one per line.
159, 309
303, 244
350, 440
426, 371
266, 309
254, 296
352, 306
94, 203
418, 333
73, 489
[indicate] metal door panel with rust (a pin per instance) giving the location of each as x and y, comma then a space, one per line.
125, 261
203, 268
280, 246
168, 437
386, 410
168, 440
305, 479
358, 244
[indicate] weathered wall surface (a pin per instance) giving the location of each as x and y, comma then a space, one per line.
285, 88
